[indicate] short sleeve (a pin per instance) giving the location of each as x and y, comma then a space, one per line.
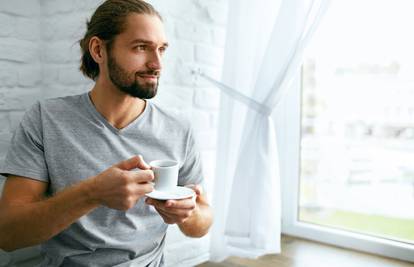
25, 156
191, 170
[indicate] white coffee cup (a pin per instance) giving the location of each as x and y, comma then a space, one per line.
165, 174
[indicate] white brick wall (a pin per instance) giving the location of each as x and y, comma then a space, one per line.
39, 58
22, 8
20, 63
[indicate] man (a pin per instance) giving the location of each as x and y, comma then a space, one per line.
73, 183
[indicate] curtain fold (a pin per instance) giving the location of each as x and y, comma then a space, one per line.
265, 41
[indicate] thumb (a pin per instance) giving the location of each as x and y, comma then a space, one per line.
197, 188
128, 164
142, 164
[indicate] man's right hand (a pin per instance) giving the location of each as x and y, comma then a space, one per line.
24, 210
120, 188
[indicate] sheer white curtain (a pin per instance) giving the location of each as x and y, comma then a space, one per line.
265, 40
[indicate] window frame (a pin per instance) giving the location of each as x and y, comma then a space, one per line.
287, 120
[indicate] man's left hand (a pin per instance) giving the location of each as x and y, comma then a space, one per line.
176, 211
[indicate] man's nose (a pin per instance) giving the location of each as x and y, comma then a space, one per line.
154, 62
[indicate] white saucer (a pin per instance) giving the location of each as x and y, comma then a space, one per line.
179, 192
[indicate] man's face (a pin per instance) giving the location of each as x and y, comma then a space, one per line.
134, 60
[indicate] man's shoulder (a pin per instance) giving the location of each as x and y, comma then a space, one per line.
61, 102
174, 117
51, 108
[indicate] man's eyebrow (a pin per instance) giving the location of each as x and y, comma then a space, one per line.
147, 42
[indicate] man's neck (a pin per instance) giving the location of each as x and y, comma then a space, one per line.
118, 108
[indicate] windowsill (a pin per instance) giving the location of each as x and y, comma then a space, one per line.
297, 252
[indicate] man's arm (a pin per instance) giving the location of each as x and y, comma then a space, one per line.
28, 218
193, 217
199, 222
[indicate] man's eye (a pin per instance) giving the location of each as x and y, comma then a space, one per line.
141, 47
162, 50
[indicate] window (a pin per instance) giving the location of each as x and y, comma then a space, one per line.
352, 164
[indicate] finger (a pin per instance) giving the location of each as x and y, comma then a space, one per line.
167, 216
128, 164
197, 188
173, 206
143, 176
144, 188
142, 164
176, 214
153, 202
187, 203
168, 219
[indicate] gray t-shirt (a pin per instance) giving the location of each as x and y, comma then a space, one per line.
64, 140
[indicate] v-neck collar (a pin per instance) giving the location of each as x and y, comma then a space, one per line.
91, 107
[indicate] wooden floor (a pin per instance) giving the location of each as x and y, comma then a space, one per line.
302, 253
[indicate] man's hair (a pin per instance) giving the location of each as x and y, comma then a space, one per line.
106, 23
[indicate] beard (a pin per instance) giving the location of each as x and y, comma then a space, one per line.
128, 83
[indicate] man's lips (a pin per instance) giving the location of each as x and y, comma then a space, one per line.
148, 76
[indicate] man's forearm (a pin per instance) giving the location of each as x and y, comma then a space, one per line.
30, 224
199, 222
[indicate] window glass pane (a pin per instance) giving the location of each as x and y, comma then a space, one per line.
357, 125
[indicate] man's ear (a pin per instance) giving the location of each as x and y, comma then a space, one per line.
97, 49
